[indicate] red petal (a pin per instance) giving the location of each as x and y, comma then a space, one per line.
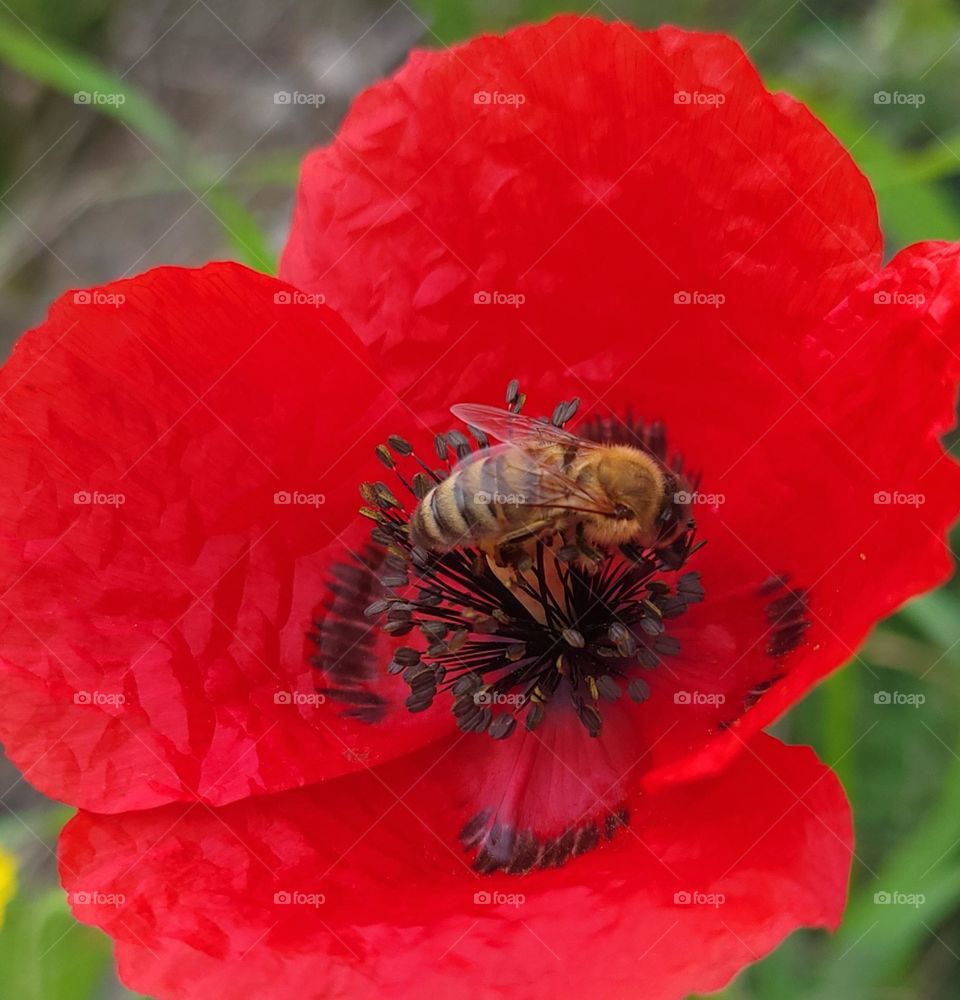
850, 489
599, 198
605, 203
715, 876
153, 626
797, 455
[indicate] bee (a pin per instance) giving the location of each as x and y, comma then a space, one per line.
542, 481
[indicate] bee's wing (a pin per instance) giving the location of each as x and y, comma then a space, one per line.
529, 469
554, 487
514, 427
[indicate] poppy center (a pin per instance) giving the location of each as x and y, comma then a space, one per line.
511, 630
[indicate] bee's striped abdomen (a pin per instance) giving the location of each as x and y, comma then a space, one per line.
478, 501
474, 489
440, 523
435, 520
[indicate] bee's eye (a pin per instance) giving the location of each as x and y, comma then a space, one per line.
622, 513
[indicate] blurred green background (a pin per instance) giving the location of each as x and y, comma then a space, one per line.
199, 162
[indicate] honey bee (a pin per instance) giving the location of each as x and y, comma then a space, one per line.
542, 481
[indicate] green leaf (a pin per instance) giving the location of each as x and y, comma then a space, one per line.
95, 88
75, 74
46, 955
72, 960
879, 941
448, 22
243, 230
841, 694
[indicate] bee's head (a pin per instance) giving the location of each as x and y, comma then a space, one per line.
648, 507
651, 504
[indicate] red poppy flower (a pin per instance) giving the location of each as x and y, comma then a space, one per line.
276, 716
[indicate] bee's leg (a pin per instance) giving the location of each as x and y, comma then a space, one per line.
516, 556
501, 555
513, 550
590, 558
479, 562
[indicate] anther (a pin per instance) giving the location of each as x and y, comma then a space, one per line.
565, 622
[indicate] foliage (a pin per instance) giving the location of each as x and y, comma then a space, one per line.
901, 765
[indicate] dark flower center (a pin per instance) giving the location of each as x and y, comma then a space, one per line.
561, 620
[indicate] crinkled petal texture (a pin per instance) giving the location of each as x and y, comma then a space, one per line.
629, 217
598, 172
632, 218
155, 636
178, 490
352, 890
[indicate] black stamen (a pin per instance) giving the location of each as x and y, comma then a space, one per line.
568, 620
